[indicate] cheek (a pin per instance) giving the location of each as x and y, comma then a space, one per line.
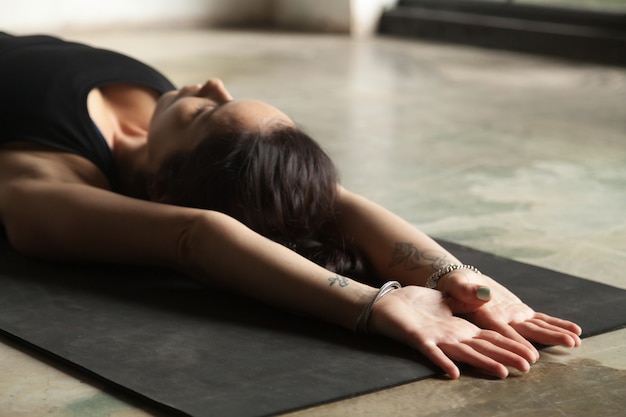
172, 129
168, 119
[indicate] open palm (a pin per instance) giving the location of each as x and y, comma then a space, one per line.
506, 313
421, 318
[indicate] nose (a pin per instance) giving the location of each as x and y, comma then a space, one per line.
215, 90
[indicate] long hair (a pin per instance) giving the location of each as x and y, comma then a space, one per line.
279, 182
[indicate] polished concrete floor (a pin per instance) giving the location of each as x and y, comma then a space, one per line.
516, 155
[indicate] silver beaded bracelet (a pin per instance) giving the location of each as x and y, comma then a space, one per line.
432, 280
361, 322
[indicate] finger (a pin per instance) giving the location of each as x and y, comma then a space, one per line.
466, 354
502, 350
458, 287
467, 299
567, 337
528, 354
439, 358
506, 330
547, 334
565, 324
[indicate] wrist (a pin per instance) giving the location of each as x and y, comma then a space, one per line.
362, 295
433, 280
364, 316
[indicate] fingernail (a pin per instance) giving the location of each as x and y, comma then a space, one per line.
483, 293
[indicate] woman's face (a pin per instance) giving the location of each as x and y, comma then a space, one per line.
185, 117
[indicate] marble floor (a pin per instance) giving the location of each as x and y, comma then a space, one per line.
512, 154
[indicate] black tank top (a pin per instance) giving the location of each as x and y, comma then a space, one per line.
44, 83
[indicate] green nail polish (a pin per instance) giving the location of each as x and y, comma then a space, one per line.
483, 293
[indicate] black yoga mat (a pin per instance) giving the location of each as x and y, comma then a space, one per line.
205, 353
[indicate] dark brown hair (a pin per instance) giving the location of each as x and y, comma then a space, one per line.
279, 182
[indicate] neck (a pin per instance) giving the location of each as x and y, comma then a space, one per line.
131, 157
123, 114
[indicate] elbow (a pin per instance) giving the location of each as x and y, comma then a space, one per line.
213, 245
18, 240
28, 227
21, 231
199, 239
186, 245
28, 242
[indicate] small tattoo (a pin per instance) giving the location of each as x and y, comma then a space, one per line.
342, 281
402, 253
409, 256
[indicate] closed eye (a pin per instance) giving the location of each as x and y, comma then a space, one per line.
204, 109
208, 109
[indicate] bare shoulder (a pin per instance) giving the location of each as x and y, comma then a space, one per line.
59, 206
23, 162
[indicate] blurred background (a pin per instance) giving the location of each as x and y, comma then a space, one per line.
326, 15
580, 29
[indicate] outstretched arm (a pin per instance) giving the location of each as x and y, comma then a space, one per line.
401, 252
77, 222
395, 248
72, 221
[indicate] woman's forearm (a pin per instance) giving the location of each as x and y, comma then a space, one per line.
55, 221
395, 248
220, 251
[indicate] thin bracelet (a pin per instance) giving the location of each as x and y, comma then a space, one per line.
432, 280
361, 322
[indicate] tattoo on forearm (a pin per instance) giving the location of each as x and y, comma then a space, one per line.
411, 258
338, 279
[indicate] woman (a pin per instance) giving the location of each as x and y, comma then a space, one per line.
102, 159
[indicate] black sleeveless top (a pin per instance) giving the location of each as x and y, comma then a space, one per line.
44, 83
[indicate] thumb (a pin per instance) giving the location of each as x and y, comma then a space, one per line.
464, 296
